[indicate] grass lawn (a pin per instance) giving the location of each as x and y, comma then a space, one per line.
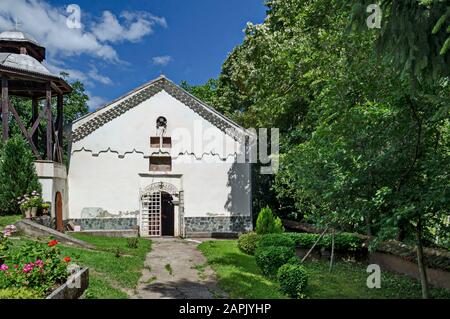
237, 272
9, 220
114, 267
240, 277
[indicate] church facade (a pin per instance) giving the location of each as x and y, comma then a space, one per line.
161, 161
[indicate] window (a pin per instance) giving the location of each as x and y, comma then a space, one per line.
160, 163
155, 141
167, 142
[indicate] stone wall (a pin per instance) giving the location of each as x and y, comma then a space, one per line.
218, 224
105, 223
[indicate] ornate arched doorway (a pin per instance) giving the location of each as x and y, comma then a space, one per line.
158, 215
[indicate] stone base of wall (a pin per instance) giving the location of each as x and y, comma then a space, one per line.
229, 224
46, 221
105, 223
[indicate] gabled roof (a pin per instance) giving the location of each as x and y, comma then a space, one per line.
109, 112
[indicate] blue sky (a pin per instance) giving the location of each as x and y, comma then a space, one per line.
123, 44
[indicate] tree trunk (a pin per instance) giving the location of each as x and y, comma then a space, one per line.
313, 246
332, 252
421, 263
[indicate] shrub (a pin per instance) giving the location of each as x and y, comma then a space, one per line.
247, 243
266, 223
294, 261
293, 280
342, 241
20, 293
303, 240
269, 259
17, 174
276, 240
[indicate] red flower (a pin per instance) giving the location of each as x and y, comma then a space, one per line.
52, 243
67, 259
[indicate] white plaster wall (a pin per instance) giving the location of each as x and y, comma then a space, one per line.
53, 179
107, 181
114, 184
132, 131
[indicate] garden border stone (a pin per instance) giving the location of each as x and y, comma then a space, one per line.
66, 292
33, 229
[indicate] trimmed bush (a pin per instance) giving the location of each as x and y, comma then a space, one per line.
293, 280
247, 243
269, 259
342, 241
294, 261
267, 223
20, 293
276, 240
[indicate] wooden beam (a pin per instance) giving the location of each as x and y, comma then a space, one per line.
24, 132
60, 120
48, 106
5, 105
34, 117
56, 88
37, 121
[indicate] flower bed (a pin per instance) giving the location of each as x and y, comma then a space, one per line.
34, 266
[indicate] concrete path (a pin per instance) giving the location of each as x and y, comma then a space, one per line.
176, 269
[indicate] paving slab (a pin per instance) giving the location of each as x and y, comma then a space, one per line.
176, 269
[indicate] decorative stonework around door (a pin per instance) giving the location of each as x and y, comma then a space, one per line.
151, 209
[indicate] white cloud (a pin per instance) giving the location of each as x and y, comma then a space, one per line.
48, 25
95, 101
135, 27
162, 60
74, 75
93, 74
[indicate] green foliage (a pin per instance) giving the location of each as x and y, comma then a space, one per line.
20, 293
342, 241
267, 223
365, 138
36, 265
17, 174
276, 240
248, 242
293, 280
414, 35
239, 276
269, 259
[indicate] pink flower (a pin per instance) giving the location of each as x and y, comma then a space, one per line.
39, 263
4, 267
27, 267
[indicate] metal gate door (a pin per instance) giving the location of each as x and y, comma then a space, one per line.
151, 214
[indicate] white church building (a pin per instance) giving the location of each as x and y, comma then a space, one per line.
156, 160
161, 161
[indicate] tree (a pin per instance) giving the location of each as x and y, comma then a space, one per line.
267, 223
414, 35
17, 174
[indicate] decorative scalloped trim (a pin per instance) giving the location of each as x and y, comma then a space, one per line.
149, 91
134, 151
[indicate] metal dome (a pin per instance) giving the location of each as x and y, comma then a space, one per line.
17, 36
